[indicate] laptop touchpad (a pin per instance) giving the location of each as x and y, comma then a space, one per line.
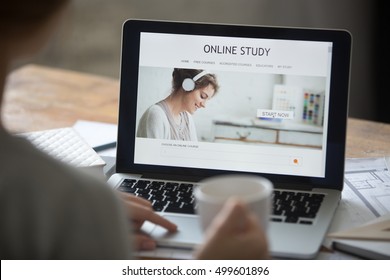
188, 235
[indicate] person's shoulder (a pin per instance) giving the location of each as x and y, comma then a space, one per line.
156, 109
156, 114
42, 195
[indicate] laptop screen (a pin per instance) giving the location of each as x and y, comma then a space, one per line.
258, 102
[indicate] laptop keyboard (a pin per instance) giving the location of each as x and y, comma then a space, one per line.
295, 207
165, 196
174, 197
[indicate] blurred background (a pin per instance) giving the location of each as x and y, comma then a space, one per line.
90, 37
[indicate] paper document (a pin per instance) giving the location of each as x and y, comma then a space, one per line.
366, 193
365, 197
98, 134
376, 230
369, 179
369, 241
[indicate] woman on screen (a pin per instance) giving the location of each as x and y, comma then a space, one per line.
171, 118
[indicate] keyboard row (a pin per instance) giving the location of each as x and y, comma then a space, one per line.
288, 206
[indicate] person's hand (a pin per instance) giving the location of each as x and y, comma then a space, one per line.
139, 211
234, 234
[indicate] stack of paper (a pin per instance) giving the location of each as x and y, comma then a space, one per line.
371, 241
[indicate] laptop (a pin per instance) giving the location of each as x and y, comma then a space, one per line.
280, 112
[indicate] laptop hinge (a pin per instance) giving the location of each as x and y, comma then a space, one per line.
172, 177
294, 186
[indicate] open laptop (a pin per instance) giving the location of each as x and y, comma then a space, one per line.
280, 112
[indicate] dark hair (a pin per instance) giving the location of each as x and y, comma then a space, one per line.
179, 74
28, 11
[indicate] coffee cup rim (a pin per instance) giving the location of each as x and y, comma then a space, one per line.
246, 198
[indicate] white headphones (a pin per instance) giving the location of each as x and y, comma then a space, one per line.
189, 84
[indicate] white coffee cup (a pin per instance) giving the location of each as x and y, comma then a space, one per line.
254, 191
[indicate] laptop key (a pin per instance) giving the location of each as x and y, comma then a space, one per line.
146, 196
159, 205
291, 219
173, 209
127, 190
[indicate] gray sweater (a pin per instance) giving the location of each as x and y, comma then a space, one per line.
52, 211
157, 122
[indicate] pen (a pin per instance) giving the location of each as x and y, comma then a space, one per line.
105, 147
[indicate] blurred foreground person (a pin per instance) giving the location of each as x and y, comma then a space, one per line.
51, 211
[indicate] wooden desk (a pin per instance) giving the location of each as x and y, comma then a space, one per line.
40, 98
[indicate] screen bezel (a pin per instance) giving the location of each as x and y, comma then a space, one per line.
338, 100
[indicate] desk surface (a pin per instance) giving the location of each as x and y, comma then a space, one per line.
39, 98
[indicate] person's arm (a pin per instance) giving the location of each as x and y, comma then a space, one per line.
94, 223
234, 234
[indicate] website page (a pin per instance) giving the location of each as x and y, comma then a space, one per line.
265, 111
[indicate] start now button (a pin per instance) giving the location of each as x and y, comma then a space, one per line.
275, 114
